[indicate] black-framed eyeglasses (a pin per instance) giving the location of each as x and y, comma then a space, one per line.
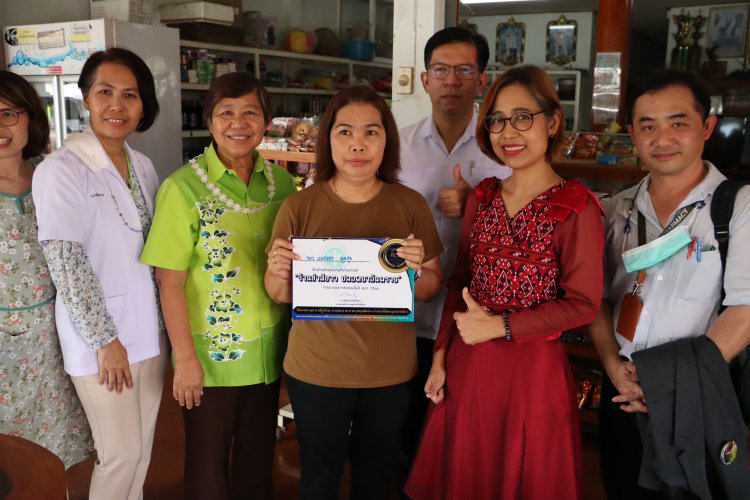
440, 71
8, 117
521, 121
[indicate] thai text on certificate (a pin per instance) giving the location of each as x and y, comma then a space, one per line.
349, 279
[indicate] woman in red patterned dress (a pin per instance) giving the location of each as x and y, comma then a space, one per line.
505, 421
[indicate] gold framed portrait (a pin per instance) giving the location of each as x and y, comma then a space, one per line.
562, 38
510, 42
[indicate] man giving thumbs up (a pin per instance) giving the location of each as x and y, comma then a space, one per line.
440, 159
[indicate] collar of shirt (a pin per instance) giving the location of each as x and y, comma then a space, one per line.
429, 131
217, 169
703, 191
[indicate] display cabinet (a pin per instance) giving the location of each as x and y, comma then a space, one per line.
299, 84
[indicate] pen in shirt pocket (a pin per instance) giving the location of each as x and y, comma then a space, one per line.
698, 250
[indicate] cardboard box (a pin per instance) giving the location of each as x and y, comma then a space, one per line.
211, 33
260, 29
202, 12
134, 11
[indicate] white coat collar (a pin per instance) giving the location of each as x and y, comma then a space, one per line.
87, 147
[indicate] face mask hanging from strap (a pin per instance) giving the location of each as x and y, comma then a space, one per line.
673, 239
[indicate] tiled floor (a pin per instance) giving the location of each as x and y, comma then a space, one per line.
164, 480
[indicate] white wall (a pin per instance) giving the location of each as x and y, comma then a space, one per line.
414, 22
536, 36
732, 64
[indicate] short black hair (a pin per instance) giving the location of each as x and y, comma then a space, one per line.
18, 92
143, 77
232, 86
663, 78
454, 34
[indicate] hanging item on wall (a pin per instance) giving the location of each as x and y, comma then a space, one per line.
561, 41
510, 42
607, 89
727, 28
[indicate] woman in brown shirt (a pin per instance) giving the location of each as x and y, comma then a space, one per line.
353, 375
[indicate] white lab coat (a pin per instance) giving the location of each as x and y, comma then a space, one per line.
73, 191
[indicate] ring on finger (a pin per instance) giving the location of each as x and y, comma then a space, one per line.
273, 259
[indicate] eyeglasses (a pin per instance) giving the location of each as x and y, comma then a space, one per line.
8, 117
440, 71
521, 121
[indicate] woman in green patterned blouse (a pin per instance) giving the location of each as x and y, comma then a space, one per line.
213, 221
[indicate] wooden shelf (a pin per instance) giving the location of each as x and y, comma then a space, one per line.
588, 416
589, 169
284, 156
585, 351
186, 134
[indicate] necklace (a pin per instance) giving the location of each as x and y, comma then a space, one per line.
333, 188
225, 199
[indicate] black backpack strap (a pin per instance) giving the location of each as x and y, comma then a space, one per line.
722, 208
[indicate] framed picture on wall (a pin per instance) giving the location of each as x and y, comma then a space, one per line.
727, 29
561, 41
510, 42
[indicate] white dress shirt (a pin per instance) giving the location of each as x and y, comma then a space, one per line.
427, 167
680, 295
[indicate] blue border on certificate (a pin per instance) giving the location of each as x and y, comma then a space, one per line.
345, 280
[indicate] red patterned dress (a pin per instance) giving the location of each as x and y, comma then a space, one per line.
508, 426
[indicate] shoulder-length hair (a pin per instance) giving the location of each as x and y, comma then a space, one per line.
232, 86
17, 92
536, 81
361, 94
143, 77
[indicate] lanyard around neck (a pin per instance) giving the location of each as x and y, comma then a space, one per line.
681, 215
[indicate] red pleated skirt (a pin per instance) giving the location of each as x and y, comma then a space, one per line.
507, 429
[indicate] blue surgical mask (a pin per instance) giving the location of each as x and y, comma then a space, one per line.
657, 250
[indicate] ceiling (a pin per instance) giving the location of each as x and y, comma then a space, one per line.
648, 19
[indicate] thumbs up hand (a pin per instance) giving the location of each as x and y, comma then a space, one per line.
452, 200
476, 325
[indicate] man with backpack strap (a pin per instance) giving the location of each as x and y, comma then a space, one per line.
663, 282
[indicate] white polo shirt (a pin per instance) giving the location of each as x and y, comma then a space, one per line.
680, 295
75, 203
427, 167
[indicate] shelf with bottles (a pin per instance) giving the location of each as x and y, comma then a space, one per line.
252, 58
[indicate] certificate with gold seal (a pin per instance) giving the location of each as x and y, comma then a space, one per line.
351, 279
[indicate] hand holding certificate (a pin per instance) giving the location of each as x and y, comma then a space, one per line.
352, 279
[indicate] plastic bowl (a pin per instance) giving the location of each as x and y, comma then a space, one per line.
361, 50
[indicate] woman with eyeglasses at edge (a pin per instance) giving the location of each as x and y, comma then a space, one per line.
349, 381
212, 224
505, 420
94, 199
37, 399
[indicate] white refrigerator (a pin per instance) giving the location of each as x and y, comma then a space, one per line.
51, 56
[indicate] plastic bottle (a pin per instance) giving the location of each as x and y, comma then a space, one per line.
194, 120
262, 70
185, 114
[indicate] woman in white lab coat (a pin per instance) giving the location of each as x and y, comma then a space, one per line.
94, 199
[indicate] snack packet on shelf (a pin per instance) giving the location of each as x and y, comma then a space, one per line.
585, 146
